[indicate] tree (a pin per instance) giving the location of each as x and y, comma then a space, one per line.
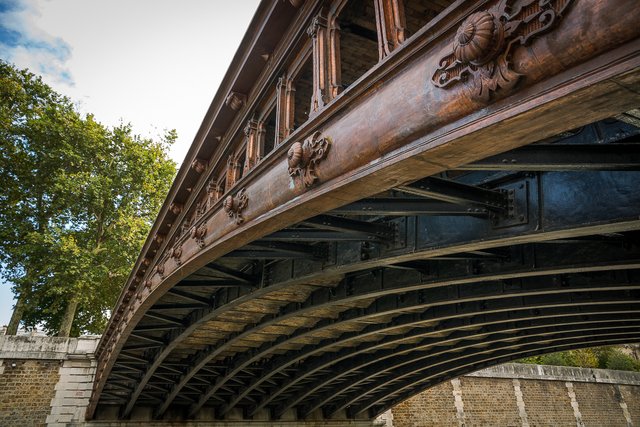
78, 202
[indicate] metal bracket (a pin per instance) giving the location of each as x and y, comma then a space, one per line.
517, 206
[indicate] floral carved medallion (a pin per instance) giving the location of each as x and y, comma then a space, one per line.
304, 157
481, 50
234, 205
198, 234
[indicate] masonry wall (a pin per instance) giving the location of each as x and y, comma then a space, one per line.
45, 380
526, 395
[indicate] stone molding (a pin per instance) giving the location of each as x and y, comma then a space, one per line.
559, 373
46, 348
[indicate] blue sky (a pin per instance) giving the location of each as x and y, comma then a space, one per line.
154, 63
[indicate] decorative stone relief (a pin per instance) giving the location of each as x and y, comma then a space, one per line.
176, 208
201, 208
481, 50
176, 254
236, 100
199, 165
198, 234
234, 205
304, 157
160, 269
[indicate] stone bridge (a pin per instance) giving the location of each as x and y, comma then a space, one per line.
385, 195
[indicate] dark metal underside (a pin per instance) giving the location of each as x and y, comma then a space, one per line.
352, 311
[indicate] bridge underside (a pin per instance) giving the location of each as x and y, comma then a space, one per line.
350, 312
446, 211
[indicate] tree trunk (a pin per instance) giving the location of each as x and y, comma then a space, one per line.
67, 320
16, 317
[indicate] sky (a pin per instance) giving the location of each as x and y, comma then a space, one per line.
153, 63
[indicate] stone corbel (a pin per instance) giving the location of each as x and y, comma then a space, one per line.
236, 100
199, 165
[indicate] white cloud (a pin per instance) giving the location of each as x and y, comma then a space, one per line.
154, 63
24, 43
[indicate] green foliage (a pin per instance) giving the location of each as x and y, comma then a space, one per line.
622, 362
584, 357
77, 202
597, 357
556, 359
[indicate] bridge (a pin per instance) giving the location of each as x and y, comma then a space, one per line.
384, 195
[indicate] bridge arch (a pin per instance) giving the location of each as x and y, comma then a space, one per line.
330, 249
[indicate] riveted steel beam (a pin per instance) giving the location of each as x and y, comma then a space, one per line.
552, 218
437, 313
397, 206
371, 359
436, 351
454, 192
563, 157
557, 260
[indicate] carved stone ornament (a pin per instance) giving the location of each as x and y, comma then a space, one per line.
234, 205
175, 208
304, 157
160, 269
481, 50
201, 208
236, 100
198, 234
199, 165
176, 253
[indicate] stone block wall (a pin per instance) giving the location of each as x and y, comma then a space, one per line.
526, 395
45, 380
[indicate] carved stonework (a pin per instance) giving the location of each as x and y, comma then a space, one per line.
201, 208
234, 205
198, 234
176, 254
160, 269
175, 208
304, 157
482, 47
199, 165
236, 100
212, 193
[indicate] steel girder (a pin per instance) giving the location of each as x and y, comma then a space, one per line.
438, 250
356, 371
389, 283
546, 344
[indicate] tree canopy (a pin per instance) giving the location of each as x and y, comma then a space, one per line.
76, 204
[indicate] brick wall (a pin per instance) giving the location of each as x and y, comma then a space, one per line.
26, 389
526, 395
45, 380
